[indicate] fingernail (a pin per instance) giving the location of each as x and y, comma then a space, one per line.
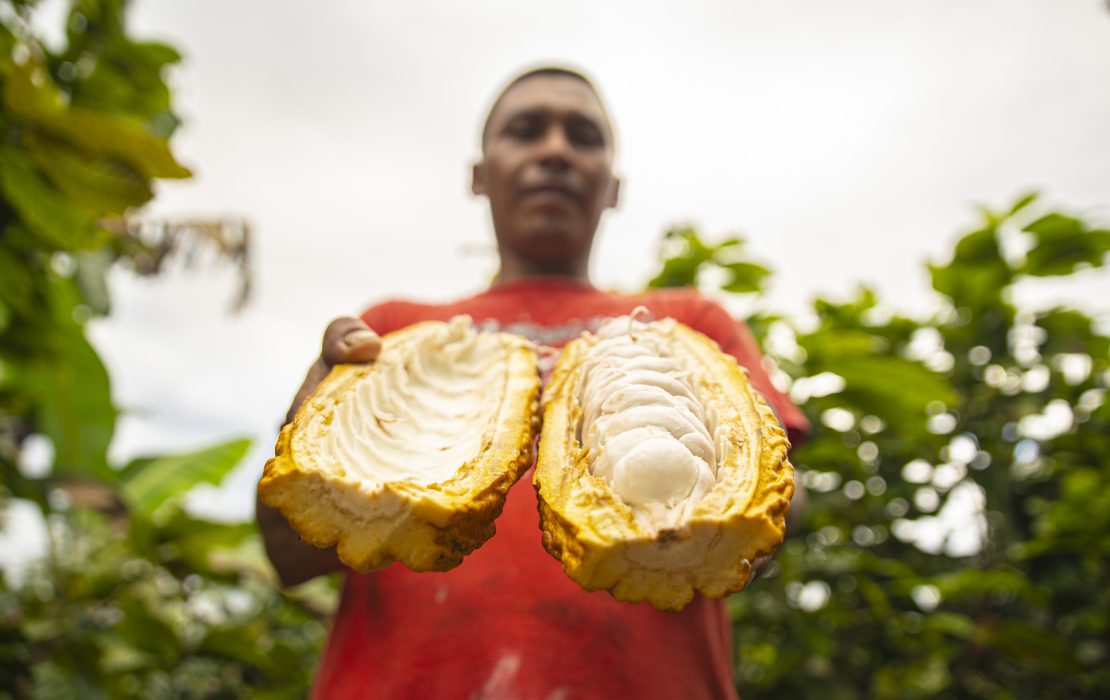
359, 337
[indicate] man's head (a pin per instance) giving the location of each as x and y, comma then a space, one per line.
547, 169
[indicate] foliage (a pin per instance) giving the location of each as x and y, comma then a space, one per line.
885, 590
180, 608
137, 598
688, 256
70, 160
958, 477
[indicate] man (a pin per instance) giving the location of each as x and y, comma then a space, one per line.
507, 623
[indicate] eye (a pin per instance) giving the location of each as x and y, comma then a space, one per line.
584, 132
525, 127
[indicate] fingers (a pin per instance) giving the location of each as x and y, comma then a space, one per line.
314, 376
346, 340
758, 565
349, 340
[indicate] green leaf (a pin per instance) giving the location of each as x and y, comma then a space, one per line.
195, 539
146, 625
1070, 331
1033, 645
966, 583
730, 244
954, 624
683, 267
885, 385
127, 77
973, 286
677, 272
71, 389
42, 208
54, 681
100, 184
1055, 226
978, 247
875, 597
745, 277
977, 274
1023, 202
850, 313
96, 133
28, 90
118, 657
828, 346
1062, 245
92, 279
150, 483
17, 276
238, 643
119, 137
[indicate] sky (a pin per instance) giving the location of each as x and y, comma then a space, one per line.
848, 142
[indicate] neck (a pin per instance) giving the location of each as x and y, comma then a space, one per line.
514, 269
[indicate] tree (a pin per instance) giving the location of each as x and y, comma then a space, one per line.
137, 597
981, 403
955, 539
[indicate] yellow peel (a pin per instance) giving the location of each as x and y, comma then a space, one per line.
605, 543
338, 487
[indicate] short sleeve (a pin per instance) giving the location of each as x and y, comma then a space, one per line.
737, 340
380, 318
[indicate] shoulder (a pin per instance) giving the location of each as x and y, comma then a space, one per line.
673, 295
689, 306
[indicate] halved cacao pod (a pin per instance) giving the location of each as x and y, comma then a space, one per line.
409, 458
661, 470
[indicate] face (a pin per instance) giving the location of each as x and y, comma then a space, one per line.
547, 169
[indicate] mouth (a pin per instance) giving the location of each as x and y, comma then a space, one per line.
554, 192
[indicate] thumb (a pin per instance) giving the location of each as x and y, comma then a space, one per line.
349, 340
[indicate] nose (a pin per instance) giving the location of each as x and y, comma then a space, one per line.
554, 149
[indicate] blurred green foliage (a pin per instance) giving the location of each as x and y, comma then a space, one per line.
958, 520
957, 529
136, 598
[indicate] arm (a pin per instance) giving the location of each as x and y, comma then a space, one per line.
346, 340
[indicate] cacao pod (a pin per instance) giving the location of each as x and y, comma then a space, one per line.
409, 458
661, 471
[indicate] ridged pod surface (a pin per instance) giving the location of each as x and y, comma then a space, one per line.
409, 458
661, 470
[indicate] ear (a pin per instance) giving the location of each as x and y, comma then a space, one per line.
478, 178
614, 192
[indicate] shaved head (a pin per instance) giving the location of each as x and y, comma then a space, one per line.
541, 72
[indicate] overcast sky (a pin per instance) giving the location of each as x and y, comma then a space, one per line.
848, 141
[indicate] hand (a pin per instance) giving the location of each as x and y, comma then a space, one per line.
347, 340
793, 520
758, 565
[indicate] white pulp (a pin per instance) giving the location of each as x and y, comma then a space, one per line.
425, 413
648, 434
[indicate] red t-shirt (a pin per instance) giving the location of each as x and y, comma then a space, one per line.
507, 622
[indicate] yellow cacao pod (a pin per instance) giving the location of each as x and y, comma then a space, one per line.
661, 471
409, 458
